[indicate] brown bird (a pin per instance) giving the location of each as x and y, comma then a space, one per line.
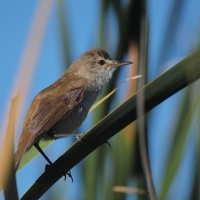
62, 107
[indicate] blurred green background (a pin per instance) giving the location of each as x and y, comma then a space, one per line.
172, 128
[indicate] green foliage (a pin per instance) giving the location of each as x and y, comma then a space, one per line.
122, 165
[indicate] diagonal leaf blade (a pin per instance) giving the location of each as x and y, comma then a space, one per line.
167, 84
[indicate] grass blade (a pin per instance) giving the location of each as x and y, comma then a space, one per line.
167, 84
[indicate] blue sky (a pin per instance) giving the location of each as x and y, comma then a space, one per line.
15, 20
83, 20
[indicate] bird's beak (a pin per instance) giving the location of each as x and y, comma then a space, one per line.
119, 64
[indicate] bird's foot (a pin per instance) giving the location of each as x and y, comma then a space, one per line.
78, 137
68, 173
107, 144
46, 167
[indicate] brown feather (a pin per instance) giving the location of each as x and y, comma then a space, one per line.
62, 107
46, 109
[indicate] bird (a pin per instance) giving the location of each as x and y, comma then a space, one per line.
58, 110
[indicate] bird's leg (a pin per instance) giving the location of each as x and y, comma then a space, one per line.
77, 135
42, 152
50, 163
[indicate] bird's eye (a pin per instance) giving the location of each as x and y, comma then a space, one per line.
101, 62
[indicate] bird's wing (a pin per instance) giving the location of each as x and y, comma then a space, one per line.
54, 108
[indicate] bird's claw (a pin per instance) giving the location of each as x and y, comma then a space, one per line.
80, 140
107, 144
70, 176
83, 142
68, 173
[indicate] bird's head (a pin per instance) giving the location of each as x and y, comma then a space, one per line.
97, 66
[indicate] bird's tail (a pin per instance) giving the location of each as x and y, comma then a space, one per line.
18, 155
